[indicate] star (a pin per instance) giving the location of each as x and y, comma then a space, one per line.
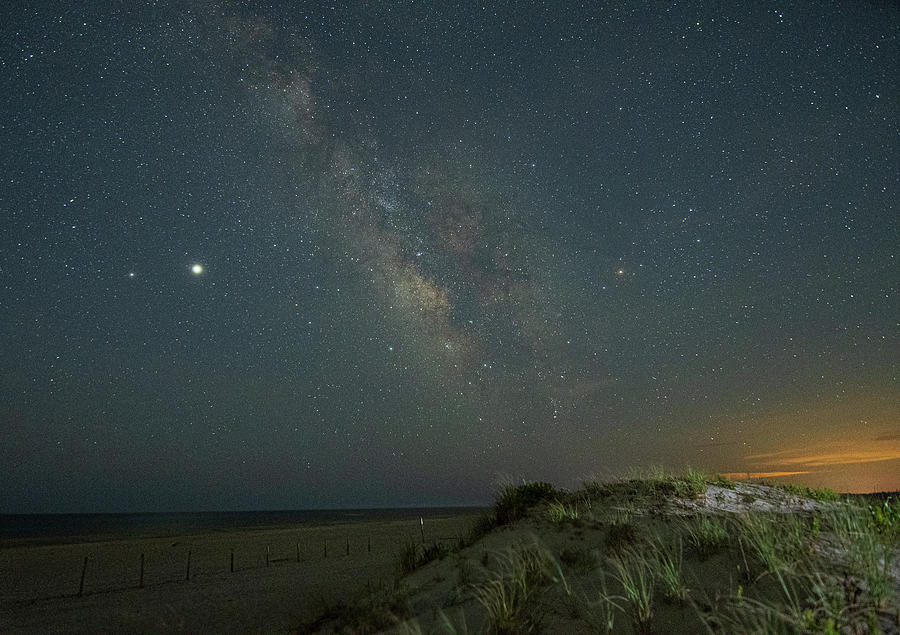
197, 269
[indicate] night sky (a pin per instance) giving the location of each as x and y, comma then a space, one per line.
347, 255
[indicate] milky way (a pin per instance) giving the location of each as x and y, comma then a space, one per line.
386, 255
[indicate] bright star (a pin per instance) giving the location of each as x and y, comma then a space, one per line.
197, 269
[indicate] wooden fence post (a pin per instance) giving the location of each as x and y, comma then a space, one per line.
141, 583
187, 575
81, 584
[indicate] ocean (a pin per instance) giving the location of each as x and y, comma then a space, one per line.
22, 529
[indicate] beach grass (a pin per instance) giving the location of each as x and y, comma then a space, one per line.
652, 553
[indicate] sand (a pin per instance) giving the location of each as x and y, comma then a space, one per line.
39, 584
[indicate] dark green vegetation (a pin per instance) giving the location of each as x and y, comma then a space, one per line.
515, 500
414, 555
825, 494
886, 518
653, 554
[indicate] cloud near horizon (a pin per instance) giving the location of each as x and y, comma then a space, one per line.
834, 453
736, 476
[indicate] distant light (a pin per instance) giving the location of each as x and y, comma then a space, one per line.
197, 269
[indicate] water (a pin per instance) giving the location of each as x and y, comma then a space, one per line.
18, 529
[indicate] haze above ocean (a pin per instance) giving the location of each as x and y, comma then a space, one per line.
19, 529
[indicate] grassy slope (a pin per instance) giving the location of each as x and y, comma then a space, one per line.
658, 553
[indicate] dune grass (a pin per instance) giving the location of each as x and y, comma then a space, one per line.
413, 555
505, 595
776, 540
514, 501
612, 558
559, 512
885, 518
870, 550
635, 574
666, 562
816, 494
707, 534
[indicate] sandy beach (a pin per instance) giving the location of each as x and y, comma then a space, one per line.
282, 576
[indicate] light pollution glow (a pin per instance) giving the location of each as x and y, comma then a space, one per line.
833, 464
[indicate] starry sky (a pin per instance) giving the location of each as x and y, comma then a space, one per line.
314, 255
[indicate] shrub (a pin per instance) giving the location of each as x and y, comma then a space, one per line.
514, 501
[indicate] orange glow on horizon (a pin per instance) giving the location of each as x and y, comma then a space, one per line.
828, 454
743, 476
849, 444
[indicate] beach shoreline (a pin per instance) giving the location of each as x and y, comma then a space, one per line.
246, 579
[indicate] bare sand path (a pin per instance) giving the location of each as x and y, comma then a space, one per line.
39, 584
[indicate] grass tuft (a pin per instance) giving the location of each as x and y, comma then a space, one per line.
635, 575
824, 495
886, 519
559, 512
870, 556
413, 555
384, 608
666, 562
708, 534
777, 540
521, 570
514, 501
692, 483
724, 481
482, 526
409, 557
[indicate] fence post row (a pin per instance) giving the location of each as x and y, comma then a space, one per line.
231, 567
